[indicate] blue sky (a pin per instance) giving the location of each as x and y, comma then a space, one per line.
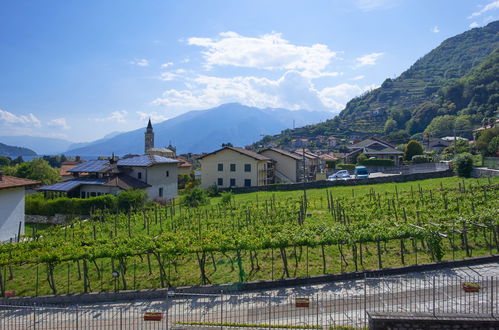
82, 69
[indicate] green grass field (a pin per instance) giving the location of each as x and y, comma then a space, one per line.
260, 236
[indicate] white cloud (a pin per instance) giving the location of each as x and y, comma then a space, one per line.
29, 120
435, 29
293, 90
59, 122
167, 64
488, 7
140, 62
268, 52
116, 116
154, 116
473, 25
358, 77
368, 59
167, 76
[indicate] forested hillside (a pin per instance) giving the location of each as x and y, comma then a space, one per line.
458, 78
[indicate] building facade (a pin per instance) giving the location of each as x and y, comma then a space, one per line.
235, 167
12, 191
288, 166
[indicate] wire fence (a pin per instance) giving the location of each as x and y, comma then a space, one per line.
336, 305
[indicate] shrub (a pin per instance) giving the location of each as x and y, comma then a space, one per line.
378, 162
213, 191
361, 158
420, 159
412, 149
194, 197
131, 199
463, 164
349, 167
226, 198
37, 204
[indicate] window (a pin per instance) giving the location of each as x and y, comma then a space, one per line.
232, 167
247, 167
139, 175
167, 173
220, 167
82, 194
160, 192
247, 182
220, 181
232, 182
93, 194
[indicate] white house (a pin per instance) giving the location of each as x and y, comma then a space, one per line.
155, 174
12, 206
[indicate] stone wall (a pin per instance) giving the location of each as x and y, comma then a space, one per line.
483, 172
412, 321
352, 182
52, 220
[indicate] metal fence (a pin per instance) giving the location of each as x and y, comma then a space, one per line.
322, 307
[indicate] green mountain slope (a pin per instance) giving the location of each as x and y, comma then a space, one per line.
459, 77
11, 151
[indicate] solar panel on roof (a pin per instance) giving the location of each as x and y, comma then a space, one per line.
91, 166
72, 184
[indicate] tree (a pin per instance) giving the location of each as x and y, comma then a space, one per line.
131, 199
441, 126
493, 147
390, 126
4, 161
486, 136
37, 169
413, 148
463, 164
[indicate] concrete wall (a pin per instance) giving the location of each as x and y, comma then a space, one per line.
483, 172
210, 173
56, 219
284, 164
158, 177
352, 182
11, 212
411, 321
410, 169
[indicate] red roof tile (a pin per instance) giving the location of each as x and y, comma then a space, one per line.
11, 182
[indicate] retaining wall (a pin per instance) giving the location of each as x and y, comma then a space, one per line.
413, 321
351, 182
53, 220
91, 298
483, 172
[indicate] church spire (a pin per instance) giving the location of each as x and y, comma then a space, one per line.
149, 137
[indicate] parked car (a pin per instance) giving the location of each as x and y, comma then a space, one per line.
361, 172
340, 175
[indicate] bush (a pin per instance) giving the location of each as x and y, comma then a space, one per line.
361, 158
226, 198
194, 197
131, 199
213, 191
420, 159
463, 164
36, 204
378, 162
349, 167
412, 149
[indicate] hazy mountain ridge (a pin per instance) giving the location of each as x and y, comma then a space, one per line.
205, 130
13, 151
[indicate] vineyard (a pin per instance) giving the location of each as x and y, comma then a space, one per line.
258, 236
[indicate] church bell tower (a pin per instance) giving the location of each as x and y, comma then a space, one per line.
149, 138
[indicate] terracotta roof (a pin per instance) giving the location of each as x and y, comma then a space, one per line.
183, 162
369, 141
308, 154
239, 150
284, 152
11, 182
66, 167
328, 157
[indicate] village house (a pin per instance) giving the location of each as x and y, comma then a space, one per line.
314, 165
374, 148
12, 191
235, 167
288, 166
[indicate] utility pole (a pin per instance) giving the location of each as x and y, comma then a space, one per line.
455, 141
304, 185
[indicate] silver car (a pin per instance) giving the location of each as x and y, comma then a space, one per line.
340, 175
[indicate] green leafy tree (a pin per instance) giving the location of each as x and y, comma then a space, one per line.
390, 126
37, 169
412, 149
463, 164
194, 197
131, 199
482, 142
4, 161
493, 147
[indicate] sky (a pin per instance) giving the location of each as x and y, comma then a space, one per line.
79, 70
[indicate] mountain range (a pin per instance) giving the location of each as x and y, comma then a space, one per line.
13, 151
459, 78
205, 130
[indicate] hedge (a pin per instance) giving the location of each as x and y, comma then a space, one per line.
419, 159
349, 167
378, 162
36, 204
